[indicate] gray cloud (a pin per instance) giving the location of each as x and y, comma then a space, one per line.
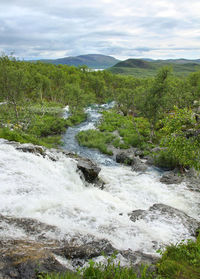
52, 29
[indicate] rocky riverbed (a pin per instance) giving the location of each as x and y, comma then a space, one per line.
58, 210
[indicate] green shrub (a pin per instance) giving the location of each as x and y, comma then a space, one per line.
96, 139
47, 125
76, 118
166, 160
181, 261
117, 143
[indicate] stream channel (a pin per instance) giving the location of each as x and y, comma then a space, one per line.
52, 192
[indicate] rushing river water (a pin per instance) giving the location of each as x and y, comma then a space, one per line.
53, 192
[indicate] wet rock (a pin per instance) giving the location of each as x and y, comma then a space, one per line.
29, 268
89, 169
149, 160
27, 147
138, 258
89, 250
125, 158
136, 214
166, 213
138, 165
28, 226
171, 178
139, 153
192, 179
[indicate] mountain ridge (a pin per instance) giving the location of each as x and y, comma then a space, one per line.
95, 61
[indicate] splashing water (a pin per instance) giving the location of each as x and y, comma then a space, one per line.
52, 192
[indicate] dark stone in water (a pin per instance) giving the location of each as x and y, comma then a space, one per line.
171, 178
125, 158
138, 165
89, 250
89, 169
36, 149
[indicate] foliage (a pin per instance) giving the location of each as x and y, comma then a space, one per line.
109, 270
141, 68
180, 136
96, 139
165, 160
76, 118
181, 261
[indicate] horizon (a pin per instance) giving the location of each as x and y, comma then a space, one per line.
163, 29
142, 58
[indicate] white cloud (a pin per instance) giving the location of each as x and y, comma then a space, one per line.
51, 29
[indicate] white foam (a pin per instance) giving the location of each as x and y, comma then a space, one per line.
52, 192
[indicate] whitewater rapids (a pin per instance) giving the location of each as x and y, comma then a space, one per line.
52, 192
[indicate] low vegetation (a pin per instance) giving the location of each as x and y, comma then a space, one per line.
162, 110
180, 261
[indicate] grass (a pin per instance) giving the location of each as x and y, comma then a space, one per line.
96, 139
181, 261
76, 118
40, 124
129, 133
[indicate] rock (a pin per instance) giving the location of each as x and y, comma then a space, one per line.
89, 169
157, 149
125, 158
149, 160
166, 214
171, 178
30, 267
25, 259
89, 250
138, 258
136, 214
192, 179
138, 165
27, 147
139, 153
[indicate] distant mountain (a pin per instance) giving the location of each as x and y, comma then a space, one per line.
134, 63
94, 61
146, 67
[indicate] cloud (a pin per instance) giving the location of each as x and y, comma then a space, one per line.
128, 28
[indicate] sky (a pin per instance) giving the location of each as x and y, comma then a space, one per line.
157, 29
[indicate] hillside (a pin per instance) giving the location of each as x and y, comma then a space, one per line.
94, 61
134, 63
145, 68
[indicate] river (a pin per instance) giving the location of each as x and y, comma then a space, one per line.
52, 192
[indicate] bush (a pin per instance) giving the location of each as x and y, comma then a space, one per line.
181, 261
76, 118
47, 125
96, 139
165, 160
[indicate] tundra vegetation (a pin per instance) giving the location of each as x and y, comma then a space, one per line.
161, 110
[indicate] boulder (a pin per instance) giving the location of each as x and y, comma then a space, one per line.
89, 169
125, 158
171, 178
89, 250
138, 165
167, 214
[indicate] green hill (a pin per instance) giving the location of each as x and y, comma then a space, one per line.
146, 67
94, 61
